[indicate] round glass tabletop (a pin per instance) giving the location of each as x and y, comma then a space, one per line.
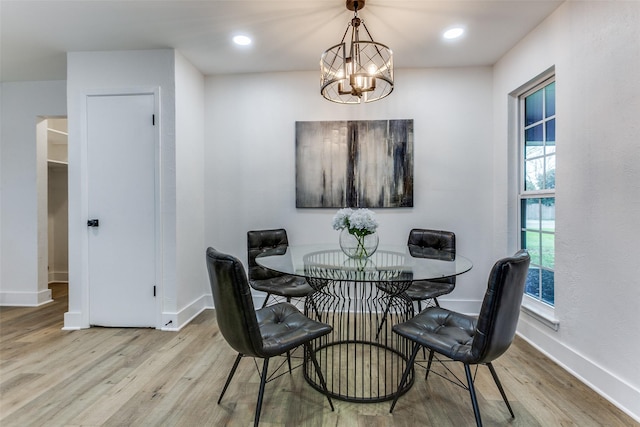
387, 264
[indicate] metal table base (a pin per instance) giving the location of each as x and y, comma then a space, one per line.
362, 359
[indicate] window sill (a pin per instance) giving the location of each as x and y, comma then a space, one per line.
542, 315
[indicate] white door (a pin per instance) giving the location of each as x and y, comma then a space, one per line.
121, 170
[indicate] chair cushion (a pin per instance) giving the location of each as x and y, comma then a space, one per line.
425, 289
445, 331
283, 327
285, 286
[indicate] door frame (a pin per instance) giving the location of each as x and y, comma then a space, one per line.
84, 195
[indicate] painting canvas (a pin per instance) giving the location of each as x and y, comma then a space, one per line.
359, 164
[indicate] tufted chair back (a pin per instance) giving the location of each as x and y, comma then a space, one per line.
259, 241
234, 307
429, 244
436, 244
498, 318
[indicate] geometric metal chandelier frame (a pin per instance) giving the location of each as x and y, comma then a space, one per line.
359, 71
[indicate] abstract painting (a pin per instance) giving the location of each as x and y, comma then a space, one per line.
358, 164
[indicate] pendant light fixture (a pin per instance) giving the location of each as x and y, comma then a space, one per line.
356, 71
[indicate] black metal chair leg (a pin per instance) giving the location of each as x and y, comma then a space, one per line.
289, 361
472, 392
230, 376
264, 304
494, 374
263, 381
412, 359
384, 318
420, 311
429, 364
316, 366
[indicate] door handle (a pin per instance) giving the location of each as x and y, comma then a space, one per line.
93, 223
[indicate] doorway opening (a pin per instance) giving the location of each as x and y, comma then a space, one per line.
53, 206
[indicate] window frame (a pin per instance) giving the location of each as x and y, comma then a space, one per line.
535, 307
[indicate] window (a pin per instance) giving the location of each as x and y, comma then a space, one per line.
537, 187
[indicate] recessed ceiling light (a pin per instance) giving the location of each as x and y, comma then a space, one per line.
453, 33
242, 40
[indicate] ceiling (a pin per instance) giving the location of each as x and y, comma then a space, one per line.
288, 35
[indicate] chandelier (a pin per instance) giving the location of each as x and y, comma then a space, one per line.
358, 71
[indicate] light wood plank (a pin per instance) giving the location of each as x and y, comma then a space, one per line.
145, 377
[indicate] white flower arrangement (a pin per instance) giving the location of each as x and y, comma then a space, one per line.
360, 222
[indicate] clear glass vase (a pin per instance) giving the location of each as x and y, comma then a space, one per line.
358, 247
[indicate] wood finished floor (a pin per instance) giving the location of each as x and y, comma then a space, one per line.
145, 377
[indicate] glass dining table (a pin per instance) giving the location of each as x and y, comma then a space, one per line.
362, 359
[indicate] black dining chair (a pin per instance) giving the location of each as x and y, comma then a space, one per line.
274, 242
424, 243
264, 333
470, 340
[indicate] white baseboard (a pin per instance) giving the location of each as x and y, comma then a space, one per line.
73, 321
171, 321
58, 276
174, 321
25, 299
616, 390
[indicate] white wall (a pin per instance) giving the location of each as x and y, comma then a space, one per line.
95, 72
184, 288
22, 104
185, 291
250, 162
193, 294
595, 47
